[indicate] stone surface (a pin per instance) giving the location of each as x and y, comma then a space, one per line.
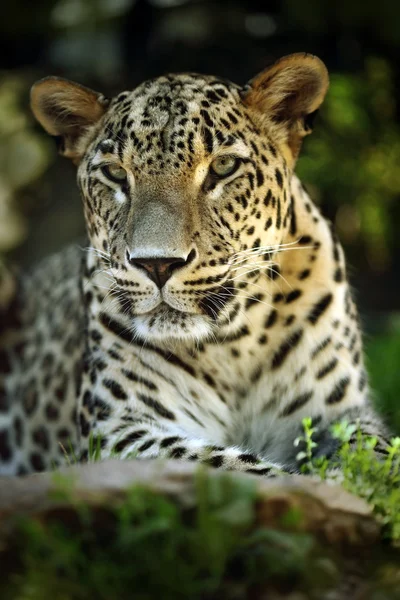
325, 510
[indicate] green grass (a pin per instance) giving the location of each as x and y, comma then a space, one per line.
383, 364
360, 471
149, 547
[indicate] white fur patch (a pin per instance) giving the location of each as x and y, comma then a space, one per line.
119, 196
160, 327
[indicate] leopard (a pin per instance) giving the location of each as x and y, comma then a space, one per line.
209, 311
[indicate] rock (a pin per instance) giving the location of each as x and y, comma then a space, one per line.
320, 508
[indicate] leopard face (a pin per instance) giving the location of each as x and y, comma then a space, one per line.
185, 182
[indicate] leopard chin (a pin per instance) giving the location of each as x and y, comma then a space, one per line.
169, 324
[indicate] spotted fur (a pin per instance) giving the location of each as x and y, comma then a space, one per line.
209, 314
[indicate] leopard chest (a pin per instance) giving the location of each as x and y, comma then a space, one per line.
218, 393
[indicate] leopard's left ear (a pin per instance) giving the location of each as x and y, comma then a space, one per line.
285, 96
68, 111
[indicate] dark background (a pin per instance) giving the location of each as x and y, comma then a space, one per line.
350, 165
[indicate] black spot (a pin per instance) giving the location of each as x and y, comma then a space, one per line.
263, 471
338, 276
171, 359
170, 441
177, 452
296, 404
278, 214
304, 274
114, 354
19, 431
129, 439
84, 425
289, 320
30, 401
233, 337
292, 296
146, 445
115, 327
255, 299
232, 118
156, 406
279, 178
215, 461
213, 97
41, 438
210, 380
5, 365
273, 272
207, 139
4, 400
268, 223
271, 319
260, 177
286, 347
319, 308
63, 434
321, 346
96, 336
5, 446
304, 240
103, 410
87, 401
278, 297
115, 389
250, 459
250, 178
138, 379
293, 219
52, 412
60, 391
256, 374
267, 198
37, 462
338, 392
328, 368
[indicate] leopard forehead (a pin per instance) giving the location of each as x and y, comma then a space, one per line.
176, 96
173, 114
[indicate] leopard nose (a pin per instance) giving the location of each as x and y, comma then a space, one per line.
159, 269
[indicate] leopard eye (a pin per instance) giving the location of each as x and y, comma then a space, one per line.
224, 165
115, 173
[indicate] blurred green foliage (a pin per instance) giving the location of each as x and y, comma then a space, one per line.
148, 547
25, 156
383, 363
352, 159
380, 20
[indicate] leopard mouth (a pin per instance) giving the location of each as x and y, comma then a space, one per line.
166, 322
167, 312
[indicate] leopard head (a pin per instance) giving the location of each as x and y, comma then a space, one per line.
185, 183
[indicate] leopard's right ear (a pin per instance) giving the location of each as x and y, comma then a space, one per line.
68, 111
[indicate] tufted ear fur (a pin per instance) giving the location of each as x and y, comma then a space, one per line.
67, 110
285, 96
